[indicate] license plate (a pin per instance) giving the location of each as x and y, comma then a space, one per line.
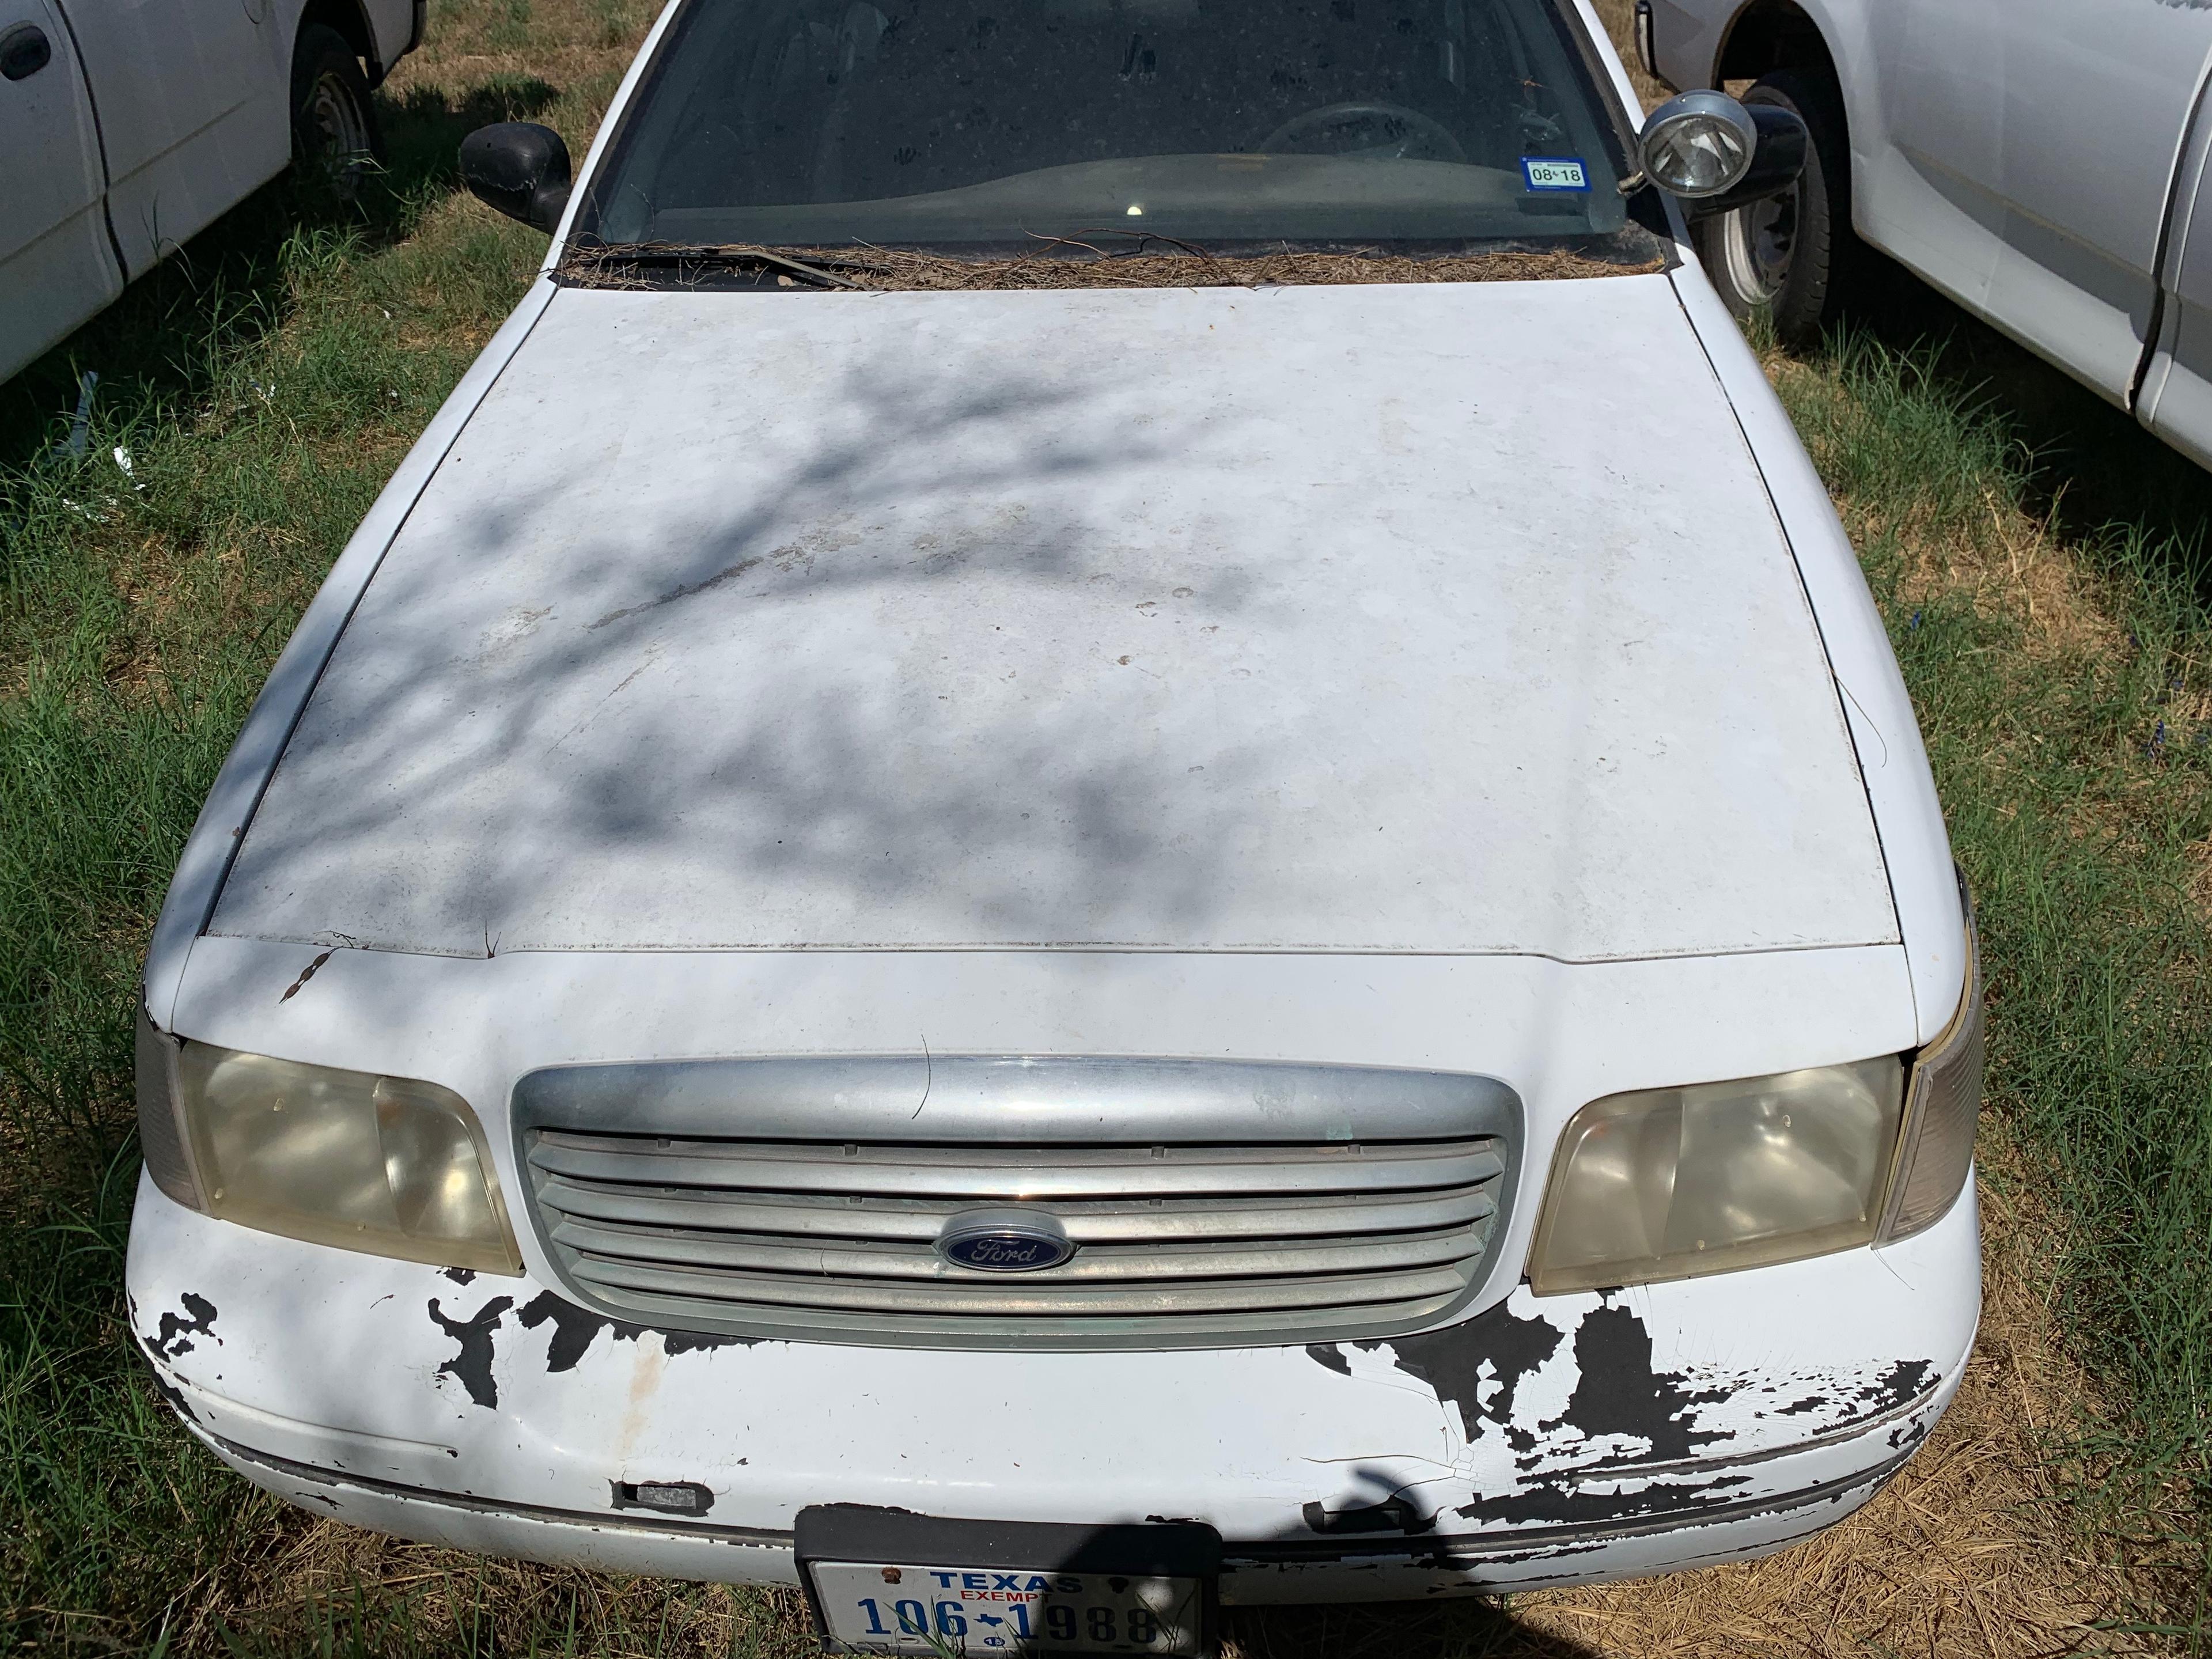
889, 1582
876, 1607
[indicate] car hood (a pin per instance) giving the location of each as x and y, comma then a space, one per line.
1446, 618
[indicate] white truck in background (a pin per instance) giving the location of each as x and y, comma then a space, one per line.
128, 126
2041, 161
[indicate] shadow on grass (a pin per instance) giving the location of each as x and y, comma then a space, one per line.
1449, 1628
423, 128
164, 339
2092, 470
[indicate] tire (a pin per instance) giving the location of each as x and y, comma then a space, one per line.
1793, 257
335, 140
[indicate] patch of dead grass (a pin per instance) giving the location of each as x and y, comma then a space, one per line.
580, 47
1618, 18
2003, 562
387, 1595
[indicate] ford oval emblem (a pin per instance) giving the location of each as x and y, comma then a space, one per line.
1004, 1241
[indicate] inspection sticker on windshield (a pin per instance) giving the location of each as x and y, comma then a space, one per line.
1555, 172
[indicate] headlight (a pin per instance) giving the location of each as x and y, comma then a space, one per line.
1940, 1110
1665, 1183
1669, 1183
384, 1164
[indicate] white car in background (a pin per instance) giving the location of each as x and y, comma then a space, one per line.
127, 128
2041, 161
1111, 826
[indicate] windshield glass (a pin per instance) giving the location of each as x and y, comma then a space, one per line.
970, 124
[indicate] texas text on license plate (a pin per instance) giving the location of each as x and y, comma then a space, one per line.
885, 1581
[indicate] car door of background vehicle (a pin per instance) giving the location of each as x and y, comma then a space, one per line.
2031, 157
2176, 400
194, 98
57, 267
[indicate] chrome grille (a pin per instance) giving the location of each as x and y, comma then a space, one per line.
1178, 1243
845, 1233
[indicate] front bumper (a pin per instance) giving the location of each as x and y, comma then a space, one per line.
1561, 1440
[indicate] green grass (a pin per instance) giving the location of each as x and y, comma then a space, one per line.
264, 391
2076, 765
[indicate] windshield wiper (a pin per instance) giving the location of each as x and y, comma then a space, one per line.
676, 255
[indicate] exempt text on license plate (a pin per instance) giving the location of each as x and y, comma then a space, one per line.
882, 1607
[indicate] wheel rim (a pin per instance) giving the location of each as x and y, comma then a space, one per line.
342, 125
1757, 243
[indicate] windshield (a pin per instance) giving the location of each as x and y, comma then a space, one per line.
964, 125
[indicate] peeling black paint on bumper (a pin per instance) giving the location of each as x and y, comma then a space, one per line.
1517, 1559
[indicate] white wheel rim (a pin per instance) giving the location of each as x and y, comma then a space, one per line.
1757, 244
334, 114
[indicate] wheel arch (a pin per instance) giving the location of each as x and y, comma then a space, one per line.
1768, 35
350, 21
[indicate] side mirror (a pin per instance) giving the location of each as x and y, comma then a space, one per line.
1717, 155
520, 168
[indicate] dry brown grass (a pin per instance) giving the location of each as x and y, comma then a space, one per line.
579, 48
1997, 557
434, 1601
1617, 16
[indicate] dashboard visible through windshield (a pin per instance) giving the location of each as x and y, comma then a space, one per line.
973, 127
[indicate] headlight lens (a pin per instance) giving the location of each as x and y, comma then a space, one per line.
385, 1165
1941, 1111
1666, 1184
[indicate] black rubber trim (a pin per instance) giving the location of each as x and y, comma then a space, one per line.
862, 1532
1443, 1553
754, 1537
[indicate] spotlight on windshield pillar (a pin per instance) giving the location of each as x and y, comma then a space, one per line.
1699, 144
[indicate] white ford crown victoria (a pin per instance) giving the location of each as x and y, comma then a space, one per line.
1110, 827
